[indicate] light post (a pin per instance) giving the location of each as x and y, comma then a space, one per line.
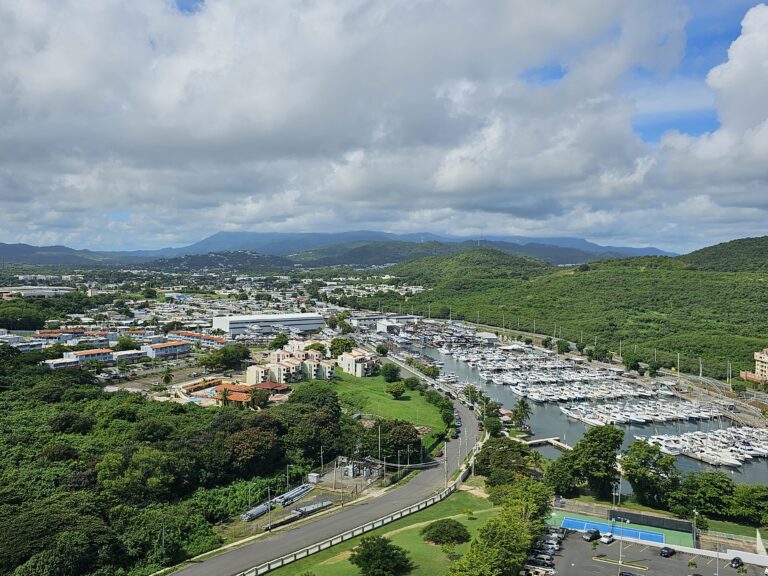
695, 514
621, 539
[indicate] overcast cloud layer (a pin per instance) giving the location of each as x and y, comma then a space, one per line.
139, 125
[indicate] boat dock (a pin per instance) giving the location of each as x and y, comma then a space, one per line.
553, 441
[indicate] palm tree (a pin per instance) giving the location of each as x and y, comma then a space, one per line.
522, 412
251, 398
167, 376
225, 396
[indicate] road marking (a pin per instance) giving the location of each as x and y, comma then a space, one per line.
644, 549
710, 561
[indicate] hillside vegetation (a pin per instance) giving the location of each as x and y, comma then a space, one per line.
478, 264
649, 302
746, 254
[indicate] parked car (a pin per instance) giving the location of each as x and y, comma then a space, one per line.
737, 562
606, 538
667, 552
542, 556
591, 534
439, 454
627, 574
553, 544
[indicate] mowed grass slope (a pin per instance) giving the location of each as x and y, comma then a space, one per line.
429, 559
368, 396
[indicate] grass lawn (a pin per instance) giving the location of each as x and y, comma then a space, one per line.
628, 504
430, 560
731, 528
367, 395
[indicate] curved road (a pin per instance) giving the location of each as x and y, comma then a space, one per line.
422, 486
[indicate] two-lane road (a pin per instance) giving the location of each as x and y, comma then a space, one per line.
422, 486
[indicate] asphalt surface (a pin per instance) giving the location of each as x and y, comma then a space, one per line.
576, 558
422, 486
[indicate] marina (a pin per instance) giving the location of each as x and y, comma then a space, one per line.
494, 371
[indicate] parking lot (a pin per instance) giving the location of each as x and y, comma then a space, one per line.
576, 558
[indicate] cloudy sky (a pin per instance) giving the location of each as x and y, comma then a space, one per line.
154, 123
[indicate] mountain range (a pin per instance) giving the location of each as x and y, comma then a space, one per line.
357, 248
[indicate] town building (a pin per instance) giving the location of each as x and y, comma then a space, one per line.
760, 374
92, 355
9, 292
269, 323
167, 349
358, 362
203, 340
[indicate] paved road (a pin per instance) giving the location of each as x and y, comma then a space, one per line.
424, 485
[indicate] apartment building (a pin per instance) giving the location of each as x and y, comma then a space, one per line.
167, 349
358, 362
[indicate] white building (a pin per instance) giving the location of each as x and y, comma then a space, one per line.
167, 349
269, 323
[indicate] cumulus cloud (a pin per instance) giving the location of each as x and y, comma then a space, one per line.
135, 124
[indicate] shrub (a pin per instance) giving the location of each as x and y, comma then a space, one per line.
447, 531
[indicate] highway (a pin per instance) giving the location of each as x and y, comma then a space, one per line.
422, 486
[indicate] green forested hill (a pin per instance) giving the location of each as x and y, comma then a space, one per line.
650, 302
746, 254
478, 264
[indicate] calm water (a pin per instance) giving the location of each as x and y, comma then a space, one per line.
548, 421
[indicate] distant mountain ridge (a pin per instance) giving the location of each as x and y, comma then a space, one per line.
361, 247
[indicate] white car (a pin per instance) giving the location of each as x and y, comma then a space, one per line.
606, 538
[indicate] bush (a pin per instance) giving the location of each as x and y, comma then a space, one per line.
447, 531
377, 556
412, 383
396, 389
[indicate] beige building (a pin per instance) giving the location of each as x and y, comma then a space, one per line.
358, 362
761, 364
761, 368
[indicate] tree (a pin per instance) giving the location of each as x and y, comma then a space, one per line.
230, 357
594, 459
382, 350
378, 556
547, 342
258, 398
521, 412
446, 531
319, 346
563, 347
345, 327
651, 474
278, 342
395, 389
391, 372
341, 345
493, 426
126, 342
167, 376
709, 493
149, 293
412, 383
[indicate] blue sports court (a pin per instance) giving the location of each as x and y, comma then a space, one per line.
618, 529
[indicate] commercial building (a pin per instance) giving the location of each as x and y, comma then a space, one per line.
269, 323
358, 362
9, 292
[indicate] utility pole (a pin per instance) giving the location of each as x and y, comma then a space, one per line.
620, 356
321, 460
269, 505
379, 440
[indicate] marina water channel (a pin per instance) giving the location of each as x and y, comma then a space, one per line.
548, 421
